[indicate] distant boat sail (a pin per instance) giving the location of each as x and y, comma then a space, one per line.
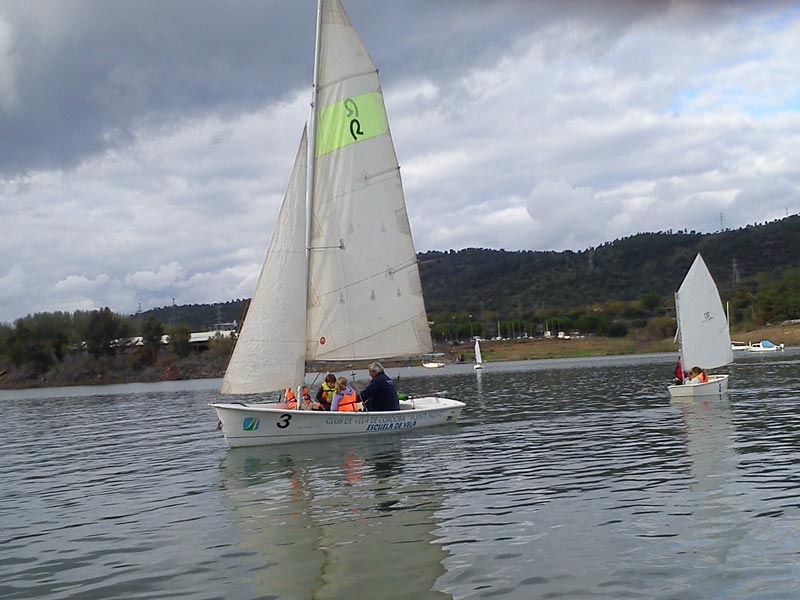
340, 281
478, 358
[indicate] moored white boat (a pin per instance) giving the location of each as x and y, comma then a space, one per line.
703, 332
340, 282
739, 346
433, 364
764, 346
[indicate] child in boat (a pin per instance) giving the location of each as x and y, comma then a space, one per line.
346, 399
697, 375
326, 392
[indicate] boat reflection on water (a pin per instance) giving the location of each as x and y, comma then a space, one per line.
715, 521
339, 519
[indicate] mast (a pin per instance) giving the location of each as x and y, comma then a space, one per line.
312, 153
312, 138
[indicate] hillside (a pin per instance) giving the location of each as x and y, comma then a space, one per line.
513, 283
510, 282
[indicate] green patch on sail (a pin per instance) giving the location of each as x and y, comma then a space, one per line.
349, 121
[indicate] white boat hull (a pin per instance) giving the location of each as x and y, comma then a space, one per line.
758, 348
264, 424
715, 386
477, 366
433, 365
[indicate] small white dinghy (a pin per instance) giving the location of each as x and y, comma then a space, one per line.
432, 365
703, 332
478, 359
340, 282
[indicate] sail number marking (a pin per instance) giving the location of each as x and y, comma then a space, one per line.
284, 421
350, 121
352, 113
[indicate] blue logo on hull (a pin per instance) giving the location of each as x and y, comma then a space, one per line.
250, 423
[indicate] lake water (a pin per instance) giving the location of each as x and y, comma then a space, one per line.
564, 479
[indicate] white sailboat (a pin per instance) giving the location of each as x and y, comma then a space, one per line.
340, 281
703, 332
478, 359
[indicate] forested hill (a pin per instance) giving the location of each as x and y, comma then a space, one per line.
510, 282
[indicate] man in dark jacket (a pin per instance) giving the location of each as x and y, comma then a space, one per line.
380, 394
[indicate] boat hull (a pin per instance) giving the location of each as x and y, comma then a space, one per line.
758, 348
266, 424
715, 386
433, 365
477, 366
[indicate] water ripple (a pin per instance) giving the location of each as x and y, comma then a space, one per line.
564, 479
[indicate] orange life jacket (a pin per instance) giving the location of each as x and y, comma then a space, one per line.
290, 398
703, 377
349, 402
306, 395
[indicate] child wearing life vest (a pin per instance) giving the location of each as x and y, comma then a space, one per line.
346, 399
291, 399
326, 392
698, 376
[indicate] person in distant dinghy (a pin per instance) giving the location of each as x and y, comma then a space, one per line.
381, 393
698, 376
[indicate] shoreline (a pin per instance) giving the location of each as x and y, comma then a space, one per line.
170, 368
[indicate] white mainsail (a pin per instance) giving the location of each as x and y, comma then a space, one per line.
355, 292
270, 351
702, 325
478, 358
365, 296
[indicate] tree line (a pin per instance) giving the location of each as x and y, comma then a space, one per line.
39, 341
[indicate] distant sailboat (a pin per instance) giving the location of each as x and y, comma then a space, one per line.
478, 359
340, 281
703, 332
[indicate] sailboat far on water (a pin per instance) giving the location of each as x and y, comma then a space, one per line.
340, 281
703, 333
478, 358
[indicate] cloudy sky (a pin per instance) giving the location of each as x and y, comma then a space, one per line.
145, 146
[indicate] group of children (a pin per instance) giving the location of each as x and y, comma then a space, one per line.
335, 394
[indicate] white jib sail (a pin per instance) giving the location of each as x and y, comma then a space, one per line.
365, 296
703, 327
478, 358
270, 351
